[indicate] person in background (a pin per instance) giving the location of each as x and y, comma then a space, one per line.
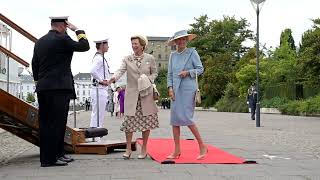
87, 104
110, 104
252, 100
121, 100
116, 102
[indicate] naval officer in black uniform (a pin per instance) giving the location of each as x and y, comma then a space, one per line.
51, 67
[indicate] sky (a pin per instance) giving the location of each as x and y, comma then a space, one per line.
119, 19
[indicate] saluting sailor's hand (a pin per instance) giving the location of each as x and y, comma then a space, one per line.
183, 74
71, 26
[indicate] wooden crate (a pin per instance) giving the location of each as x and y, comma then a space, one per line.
74, 136
101, 147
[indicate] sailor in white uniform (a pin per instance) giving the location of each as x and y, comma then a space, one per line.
100, 75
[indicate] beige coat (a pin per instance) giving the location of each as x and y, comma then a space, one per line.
147, 67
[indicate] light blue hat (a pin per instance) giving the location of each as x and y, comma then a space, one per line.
180, 34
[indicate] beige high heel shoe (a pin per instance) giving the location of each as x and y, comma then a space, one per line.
202, 156
172, 156
142, 156
126, 155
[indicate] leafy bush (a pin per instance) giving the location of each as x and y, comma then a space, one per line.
275, 102
309, 106
231, 102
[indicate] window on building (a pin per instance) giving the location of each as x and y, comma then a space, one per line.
84, 92
27, 88
21, 87
77, 92
159, 65
77, 85
159, 56
83, 99
88, 92
84, 86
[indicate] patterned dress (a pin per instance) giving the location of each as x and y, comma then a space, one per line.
139, 122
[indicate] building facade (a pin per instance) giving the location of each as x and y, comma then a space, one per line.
82, 85
27, 86
9, 68
159, 48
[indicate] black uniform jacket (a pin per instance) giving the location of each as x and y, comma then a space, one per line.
51, 62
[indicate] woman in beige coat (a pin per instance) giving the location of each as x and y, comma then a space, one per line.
140, 110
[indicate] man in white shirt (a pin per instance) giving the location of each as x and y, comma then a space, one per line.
99, 93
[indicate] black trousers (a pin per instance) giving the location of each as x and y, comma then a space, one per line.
253, 111
53, 114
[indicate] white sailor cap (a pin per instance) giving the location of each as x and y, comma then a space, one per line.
101, 41
59, 18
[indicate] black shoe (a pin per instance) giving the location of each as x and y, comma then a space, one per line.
57, 163
66, 158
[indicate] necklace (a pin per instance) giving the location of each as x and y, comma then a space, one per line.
181, 51
138, 57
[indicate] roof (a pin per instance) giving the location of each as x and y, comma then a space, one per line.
26, 78
82, 76
157, 38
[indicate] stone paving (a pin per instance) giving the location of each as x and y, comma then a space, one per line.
285, 147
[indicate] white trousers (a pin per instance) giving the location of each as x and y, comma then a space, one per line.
101, 103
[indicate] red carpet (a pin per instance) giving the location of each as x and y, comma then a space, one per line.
159, 149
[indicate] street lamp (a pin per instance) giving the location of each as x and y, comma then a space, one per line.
257, 5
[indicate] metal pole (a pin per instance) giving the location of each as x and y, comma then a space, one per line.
97, 103
74, 114
8, 60
258, 89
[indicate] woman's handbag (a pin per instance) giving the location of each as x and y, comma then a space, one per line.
197, 97
156, 94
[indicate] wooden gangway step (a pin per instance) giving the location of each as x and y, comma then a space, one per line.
21, 119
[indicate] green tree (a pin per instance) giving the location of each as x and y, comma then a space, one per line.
30, 97
286, 38
220, 46
287, 48
308, 56
215, 78
220, 36
161, 83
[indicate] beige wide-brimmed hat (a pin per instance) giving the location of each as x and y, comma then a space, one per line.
143, 38
180, 34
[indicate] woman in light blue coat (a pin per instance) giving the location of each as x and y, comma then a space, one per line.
184, 66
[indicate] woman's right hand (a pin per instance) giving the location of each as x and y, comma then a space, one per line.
171, 94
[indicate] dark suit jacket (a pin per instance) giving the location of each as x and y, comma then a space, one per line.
51, 62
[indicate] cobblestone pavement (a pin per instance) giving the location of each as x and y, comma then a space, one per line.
285, 147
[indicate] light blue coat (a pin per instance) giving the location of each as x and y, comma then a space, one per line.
182, 109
